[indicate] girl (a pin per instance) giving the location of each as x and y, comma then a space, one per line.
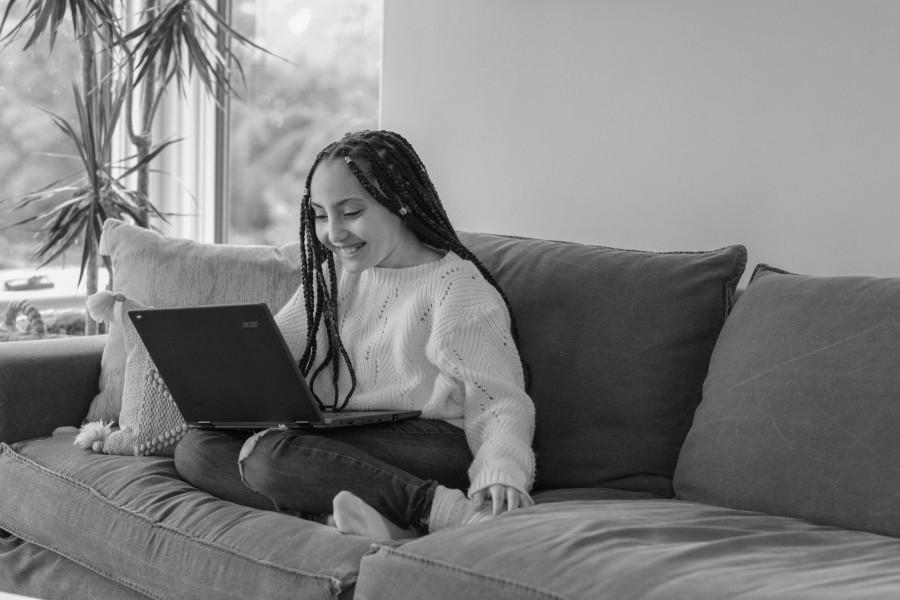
393, 312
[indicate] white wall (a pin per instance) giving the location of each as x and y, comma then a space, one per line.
660, 125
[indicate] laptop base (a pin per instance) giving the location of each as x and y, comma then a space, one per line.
329, 420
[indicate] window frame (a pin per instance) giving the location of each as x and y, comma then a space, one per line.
199, 164
222, 196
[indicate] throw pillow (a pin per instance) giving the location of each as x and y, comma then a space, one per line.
149, 422
799, 414
617, 343
164, 271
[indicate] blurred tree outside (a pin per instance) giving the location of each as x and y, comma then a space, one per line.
292, 108
321, 81
33, 151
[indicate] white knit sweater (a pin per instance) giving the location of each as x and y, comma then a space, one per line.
436, 338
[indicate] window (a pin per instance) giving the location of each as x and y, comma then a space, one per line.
34, 153
319, 80
322, 82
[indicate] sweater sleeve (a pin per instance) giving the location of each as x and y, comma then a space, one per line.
291, 320
472, 343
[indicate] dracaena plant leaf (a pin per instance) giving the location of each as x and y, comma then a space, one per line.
80, 204
160, 42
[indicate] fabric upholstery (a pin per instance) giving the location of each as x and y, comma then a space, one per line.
46, 383
617, 343
134, 521
799, 414
592, 493
161, 271
40, 573
150, 423
647, 549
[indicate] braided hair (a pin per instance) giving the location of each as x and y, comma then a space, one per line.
390, 170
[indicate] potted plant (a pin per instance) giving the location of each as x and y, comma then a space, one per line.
128, 63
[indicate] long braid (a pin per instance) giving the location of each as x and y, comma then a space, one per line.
432, 223
402, 182
313, 309
389, 169
320, 298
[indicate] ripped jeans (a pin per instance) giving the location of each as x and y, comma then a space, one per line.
394, 467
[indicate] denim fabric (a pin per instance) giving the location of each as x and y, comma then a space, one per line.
648, 549
617, 343
394, 467
135, 522
46, 383
37, 572
570, 494
799, 414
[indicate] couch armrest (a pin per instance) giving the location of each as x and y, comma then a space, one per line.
47, 383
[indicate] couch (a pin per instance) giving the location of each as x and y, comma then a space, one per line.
689, 445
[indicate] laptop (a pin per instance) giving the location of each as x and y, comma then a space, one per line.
228, 367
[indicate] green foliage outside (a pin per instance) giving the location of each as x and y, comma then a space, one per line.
33, 151
328, 85
325, 84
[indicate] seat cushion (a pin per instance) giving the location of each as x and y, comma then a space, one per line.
592, 493
36, 572
132, 520
648, 549
617, 343
799, 414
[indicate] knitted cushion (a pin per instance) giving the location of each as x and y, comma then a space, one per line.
163, 271
149, 422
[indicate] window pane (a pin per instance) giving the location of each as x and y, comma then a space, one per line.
325, 83
35, 153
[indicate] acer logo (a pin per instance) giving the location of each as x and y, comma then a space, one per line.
249, 324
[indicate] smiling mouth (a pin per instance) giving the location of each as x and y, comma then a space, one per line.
348, 251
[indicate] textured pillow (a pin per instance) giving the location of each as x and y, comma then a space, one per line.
149, 422
162, 271
800, 409
617, 343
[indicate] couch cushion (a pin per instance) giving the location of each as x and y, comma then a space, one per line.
800, 410
649, 549
161, 271
617, 343
591, 493
46, 383
134, 521
40, 573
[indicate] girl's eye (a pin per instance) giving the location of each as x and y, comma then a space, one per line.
321, 217
352, 214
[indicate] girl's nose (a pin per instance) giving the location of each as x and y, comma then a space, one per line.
336, 231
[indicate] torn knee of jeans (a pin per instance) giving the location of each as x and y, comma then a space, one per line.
249, 446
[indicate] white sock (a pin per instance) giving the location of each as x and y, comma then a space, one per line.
354, 516
450, 507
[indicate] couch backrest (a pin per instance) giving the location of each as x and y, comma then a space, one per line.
617, 341
800, 407
618, 344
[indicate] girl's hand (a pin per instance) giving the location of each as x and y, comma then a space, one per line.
502, 496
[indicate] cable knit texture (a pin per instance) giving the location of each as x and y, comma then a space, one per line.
436, 338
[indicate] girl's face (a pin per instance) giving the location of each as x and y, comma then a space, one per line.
355, 227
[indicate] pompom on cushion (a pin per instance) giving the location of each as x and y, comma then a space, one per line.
164, 271
149, 422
